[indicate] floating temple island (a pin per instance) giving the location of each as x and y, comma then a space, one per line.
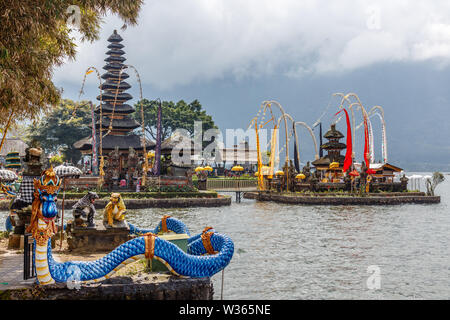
333, 177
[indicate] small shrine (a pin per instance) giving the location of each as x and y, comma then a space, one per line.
20, 210
330, 165
85, 234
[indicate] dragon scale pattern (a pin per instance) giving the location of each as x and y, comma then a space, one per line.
195, 263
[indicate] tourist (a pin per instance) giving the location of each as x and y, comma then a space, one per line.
138, 185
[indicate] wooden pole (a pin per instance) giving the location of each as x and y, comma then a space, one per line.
157, 165
221, 289
62, 214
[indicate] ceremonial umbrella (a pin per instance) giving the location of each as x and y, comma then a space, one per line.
7, 175
64, 172
334, 165
237, 169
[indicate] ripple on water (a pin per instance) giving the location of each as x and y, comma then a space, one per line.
323, 252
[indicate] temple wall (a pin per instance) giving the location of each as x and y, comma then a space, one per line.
342, 199
138, 287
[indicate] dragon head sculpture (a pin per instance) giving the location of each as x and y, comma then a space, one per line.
43, 210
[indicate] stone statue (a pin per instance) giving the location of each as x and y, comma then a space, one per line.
33, 159
84, 208
307, 171
112, 170
114, 211
132, 166
189, 173
363, 173
404, 183
115, 157
292, 173
108, 175
363, 177
314, 180
202, 179
21, 204
347, 181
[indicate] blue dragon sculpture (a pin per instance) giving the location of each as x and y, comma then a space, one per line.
208, 252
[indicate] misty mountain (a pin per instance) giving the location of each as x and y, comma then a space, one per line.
415, 98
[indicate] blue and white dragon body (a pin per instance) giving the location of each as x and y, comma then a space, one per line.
202, 259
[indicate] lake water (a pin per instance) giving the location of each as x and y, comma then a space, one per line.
326, 252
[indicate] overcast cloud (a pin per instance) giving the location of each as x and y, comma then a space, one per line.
178, 42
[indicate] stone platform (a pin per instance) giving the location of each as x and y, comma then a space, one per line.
150, 203
17, 241
180, 240
343, 199
162, 203
145, 286
100, 238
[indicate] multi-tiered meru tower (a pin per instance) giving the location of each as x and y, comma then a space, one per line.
116, 121
333, 148
114, 97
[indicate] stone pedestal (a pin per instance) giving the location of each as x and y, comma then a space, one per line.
202, 184
180, 240
136, 287
100, 238
21, 221
16, 241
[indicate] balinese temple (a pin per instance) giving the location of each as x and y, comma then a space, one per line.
384, 172
115, 108
333, 157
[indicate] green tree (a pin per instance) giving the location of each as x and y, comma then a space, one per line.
57, 131
180, 115
35, 37
56, 160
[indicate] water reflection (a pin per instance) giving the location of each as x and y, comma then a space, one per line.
319, 252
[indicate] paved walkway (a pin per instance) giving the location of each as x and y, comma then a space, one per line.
11, 272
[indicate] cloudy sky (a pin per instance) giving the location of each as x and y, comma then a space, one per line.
232, 55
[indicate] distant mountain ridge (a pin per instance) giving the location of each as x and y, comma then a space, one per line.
415, 98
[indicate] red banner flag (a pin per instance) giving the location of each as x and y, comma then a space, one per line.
348, 154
